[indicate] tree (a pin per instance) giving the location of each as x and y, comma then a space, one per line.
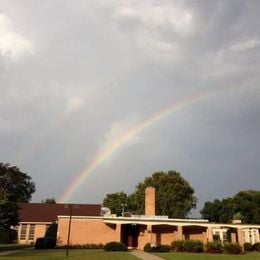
49, 200
115, 202
245, 205
174, 196
15, 186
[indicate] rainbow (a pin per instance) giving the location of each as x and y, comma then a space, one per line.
111, 147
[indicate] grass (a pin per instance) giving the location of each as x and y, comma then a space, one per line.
75, 254
202, 256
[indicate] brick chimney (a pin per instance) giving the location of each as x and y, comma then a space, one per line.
150, 201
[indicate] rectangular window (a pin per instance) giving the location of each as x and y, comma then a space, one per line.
31, 232
23, 231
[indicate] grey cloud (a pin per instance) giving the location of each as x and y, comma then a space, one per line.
97, 70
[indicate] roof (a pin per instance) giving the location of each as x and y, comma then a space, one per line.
48, 212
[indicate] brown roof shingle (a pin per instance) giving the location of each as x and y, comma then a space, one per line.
48, 212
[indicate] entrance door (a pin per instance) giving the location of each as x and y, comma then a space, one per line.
130, 235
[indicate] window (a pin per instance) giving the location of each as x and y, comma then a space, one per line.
31, 232
23, 231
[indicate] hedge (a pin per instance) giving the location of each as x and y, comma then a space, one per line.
195, 246
157, 248
45, 243
82, 246
232, 248
248, 247
177, 246
115, 246
214, 247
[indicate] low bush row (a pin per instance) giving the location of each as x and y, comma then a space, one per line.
196, 246
115, 246
83, 246
156, 248
45, 243
248, 247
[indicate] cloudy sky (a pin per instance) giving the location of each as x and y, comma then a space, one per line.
77, 75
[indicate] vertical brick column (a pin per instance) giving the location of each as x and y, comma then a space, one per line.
210, 234
150, 201
180, 232
240, 239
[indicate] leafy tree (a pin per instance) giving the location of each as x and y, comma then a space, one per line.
211, 210
115, 202
245, 205
174, 196
15, 186
49, 200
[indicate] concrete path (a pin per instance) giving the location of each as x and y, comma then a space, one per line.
10, 252
145, 256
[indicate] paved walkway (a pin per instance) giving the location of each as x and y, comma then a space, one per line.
145, 256
10, 252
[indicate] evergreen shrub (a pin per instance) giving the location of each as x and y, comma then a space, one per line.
214, 247
177, 246
115, 246
195, 246
45, 243
232, 248
248, 247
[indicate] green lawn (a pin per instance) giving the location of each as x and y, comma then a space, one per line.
192, 256
57, 254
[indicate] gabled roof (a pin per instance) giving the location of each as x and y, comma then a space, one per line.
48, 212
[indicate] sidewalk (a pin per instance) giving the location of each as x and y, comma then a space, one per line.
10, 252
145, 256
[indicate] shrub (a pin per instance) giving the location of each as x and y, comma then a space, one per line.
177, 246
45, 243
158, 248
82, 246
52, 230
256, 247
248, 247
195, 246
163, 248
232, 248
214, 247
4, 236
147, 247
115, 246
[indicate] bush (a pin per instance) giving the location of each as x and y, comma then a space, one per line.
158, 248
163, 248
256, 247
147, 247
45, 243
214, 247
232, 248
195, 246
248, 247
52, 230
4, 237
115, 246
177, 246
82, 246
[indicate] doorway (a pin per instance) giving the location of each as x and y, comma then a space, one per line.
130, 234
